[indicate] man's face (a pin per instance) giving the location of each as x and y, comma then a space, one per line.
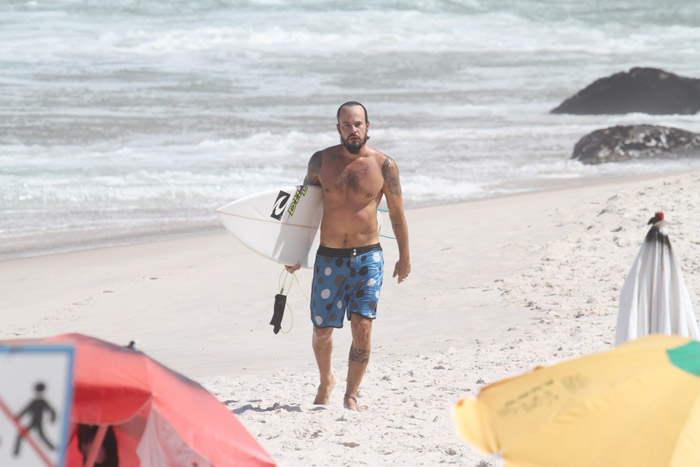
353, 128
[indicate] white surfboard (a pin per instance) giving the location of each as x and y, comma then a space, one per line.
281, 224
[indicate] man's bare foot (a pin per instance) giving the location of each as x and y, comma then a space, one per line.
324, 392
350, 403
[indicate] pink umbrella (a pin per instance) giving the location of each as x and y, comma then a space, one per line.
129, 406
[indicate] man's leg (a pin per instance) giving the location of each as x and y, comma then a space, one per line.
358, 358
322, 342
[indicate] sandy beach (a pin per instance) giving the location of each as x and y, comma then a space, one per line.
498, 286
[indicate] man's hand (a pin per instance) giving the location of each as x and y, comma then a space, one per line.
402, 269
293, 269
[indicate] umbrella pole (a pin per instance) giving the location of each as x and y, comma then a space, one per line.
96, 445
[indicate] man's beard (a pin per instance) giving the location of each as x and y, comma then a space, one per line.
353, 148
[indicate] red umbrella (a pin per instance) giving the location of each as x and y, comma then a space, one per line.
127, 404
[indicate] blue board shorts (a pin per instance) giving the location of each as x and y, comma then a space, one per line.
346, 281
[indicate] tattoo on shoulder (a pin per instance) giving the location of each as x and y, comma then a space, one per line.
314, 169
358, 355
390, 172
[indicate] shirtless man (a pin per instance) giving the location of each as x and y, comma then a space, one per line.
349, 268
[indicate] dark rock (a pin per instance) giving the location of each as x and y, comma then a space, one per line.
644, 90
623, 143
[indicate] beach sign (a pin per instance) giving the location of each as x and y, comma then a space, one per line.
35, 402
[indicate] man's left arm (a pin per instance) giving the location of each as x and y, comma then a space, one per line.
394, 201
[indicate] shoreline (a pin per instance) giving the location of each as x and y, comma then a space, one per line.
499, 286
125, 239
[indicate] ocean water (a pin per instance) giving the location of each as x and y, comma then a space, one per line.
128, 120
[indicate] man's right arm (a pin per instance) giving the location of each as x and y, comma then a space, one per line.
313, 170
312, 178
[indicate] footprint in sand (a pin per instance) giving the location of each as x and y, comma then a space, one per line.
85, 301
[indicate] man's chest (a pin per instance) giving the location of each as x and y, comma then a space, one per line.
357, 177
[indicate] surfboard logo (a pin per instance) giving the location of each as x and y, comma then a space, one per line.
301, 191
280, 204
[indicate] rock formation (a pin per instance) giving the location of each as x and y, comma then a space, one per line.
644, 90
623, 143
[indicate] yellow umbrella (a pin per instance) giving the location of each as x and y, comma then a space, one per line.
636, 405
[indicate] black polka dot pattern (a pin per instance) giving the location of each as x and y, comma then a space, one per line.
344, 285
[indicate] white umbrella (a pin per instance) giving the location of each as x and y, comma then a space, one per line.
654, 298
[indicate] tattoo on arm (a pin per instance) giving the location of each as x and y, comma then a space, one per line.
358, 355
391, 176
313, 170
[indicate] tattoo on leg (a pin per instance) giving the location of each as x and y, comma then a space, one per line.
358, 355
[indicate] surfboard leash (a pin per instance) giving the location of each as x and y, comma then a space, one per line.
281, 302
385, 236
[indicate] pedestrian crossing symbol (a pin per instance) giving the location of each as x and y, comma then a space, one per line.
35, 401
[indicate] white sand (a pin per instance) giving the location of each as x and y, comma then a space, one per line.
498, 286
